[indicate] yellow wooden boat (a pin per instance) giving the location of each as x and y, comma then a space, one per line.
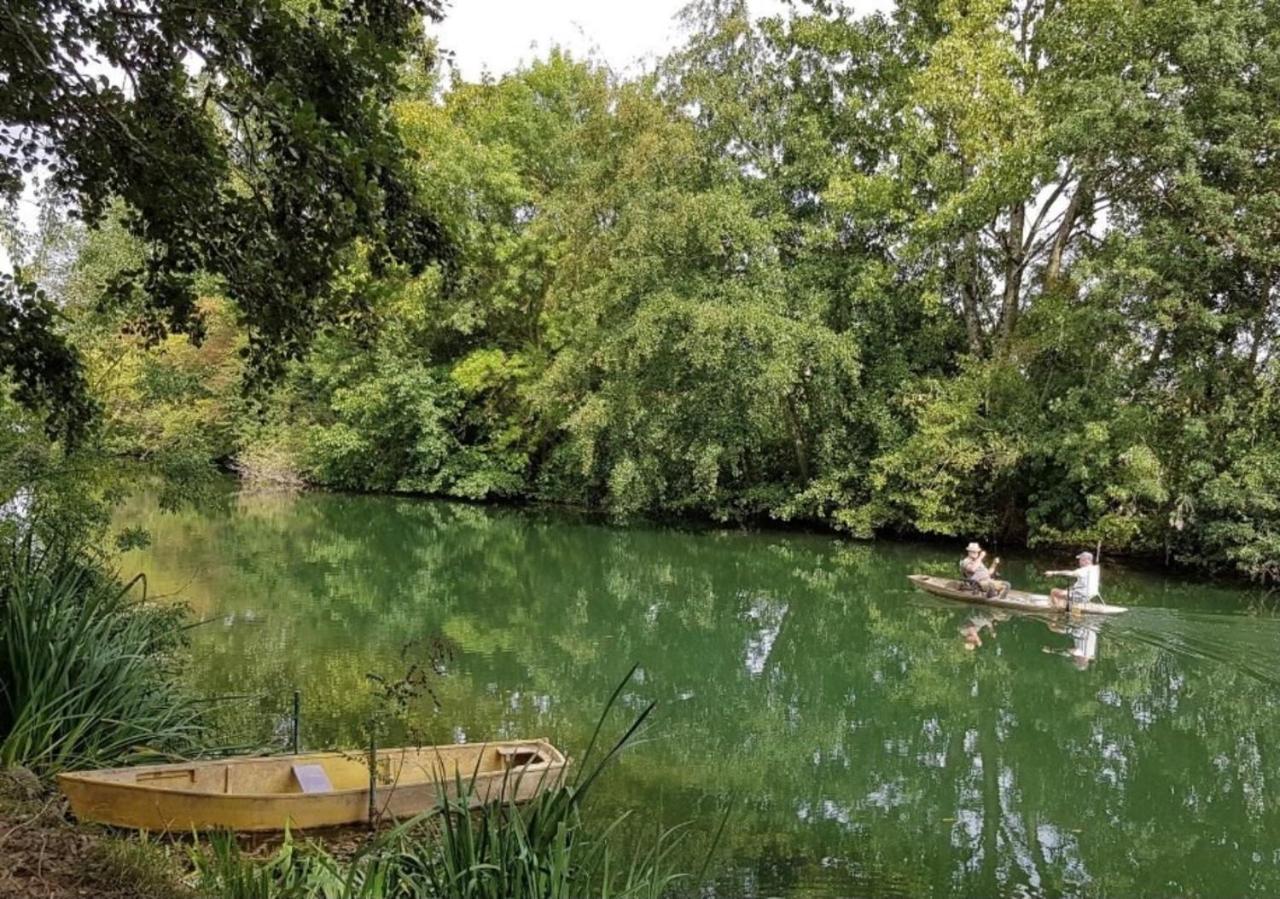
1013, 599
322, 789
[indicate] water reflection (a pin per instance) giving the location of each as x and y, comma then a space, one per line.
971, 630
1084, 642
867, 749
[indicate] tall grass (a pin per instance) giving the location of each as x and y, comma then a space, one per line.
548, 848
87, 674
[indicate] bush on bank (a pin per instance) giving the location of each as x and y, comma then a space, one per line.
88, 668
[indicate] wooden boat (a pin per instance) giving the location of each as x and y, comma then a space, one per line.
1014, 599
321, 789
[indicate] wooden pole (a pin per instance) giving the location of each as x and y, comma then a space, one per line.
373, 780
297, 720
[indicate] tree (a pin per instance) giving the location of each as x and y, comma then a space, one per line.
1001, 268
249, 141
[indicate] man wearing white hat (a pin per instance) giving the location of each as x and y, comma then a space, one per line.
976, 573
1088, 580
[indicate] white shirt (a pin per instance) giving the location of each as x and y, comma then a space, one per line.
1088, 583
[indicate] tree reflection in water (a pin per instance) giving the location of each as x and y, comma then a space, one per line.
867, 749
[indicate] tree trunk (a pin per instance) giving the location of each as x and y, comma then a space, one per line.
1260, 325
1053, 271
797, 439
1157, 350
1014, 260
971, 294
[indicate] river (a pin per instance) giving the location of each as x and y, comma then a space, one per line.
866, 742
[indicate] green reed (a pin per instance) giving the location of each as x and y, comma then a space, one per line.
546, 848
86, 672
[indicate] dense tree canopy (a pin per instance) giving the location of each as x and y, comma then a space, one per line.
247, 141
984, 268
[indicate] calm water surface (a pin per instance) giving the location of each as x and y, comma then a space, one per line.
866, 749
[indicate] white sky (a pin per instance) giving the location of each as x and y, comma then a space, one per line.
497, 35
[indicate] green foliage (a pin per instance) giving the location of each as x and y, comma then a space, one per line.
139, 866
969, 269
86, 675
36, 360
292, 872
247, 141
499, 851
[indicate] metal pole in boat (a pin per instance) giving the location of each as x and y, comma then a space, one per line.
373, 778
297, 719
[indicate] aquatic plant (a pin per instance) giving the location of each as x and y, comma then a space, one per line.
86, 670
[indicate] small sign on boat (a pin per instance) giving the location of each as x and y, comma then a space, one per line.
312, 779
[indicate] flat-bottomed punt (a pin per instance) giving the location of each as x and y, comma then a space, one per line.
1013, 599
323, 789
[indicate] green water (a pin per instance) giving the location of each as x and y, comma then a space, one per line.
865, 749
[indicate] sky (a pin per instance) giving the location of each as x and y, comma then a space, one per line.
497, 35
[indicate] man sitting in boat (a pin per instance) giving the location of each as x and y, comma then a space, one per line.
1088, 579
976, 574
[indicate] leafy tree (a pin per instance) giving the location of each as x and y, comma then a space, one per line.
996, 269
250, 141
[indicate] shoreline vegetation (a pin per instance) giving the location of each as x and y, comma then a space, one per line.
1134, 559
857, 295
245, 480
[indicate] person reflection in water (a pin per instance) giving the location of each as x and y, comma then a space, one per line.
971, 630
1084, 640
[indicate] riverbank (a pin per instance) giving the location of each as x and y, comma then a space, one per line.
47, 854
247, 478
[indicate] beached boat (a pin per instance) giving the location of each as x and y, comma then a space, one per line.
311, 790
1014, 599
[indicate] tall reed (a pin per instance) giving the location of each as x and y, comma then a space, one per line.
547, 848
87, 674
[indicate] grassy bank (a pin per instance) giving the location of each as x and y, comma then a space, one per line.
45, 853
546, 849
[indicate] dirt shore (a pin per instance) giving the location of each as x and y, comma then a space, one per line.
46, 854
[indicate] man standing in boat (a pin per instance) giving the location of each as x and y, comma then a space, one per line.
978, 576
1088, 580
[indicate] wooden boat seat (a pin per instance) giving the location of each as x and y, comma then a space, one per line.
519, 756
312, 778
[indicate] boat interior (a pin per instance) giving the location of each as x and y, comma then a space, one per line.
337, 771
